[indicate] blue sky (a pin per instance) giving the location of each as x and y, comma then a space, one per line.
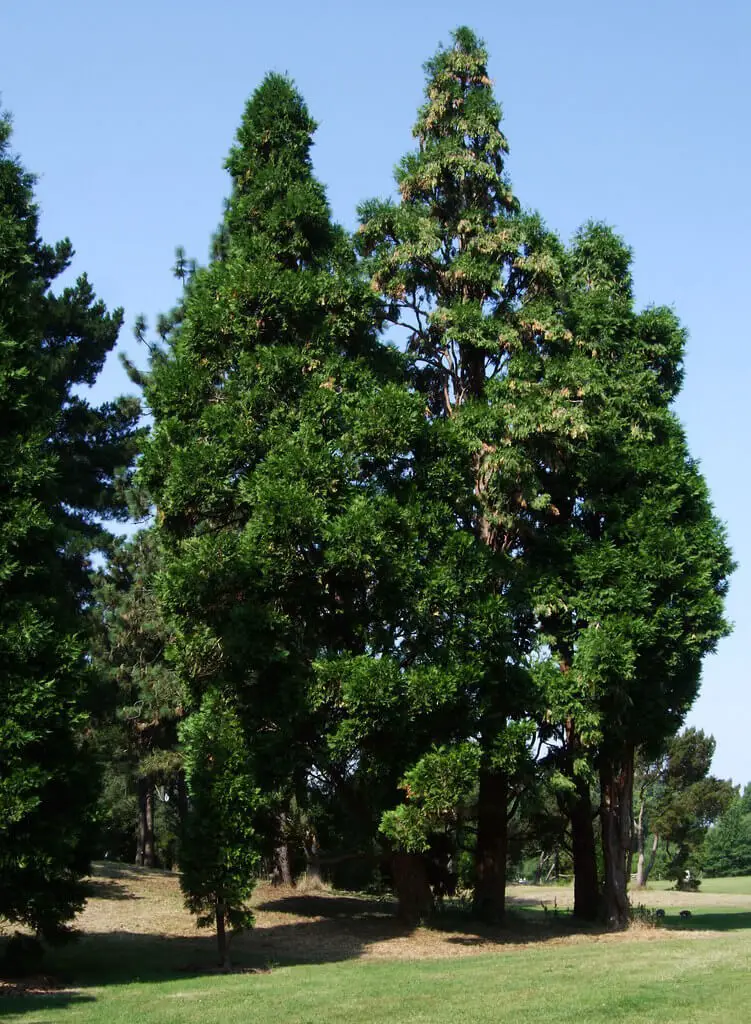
632, 113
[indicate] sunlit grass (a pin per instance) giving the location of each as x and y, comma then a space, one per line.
328, 958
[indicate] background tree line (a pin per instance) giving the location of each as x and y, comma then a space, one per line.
431, 572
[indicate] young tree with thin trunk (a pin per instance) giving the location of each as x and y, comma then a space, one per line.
219, 852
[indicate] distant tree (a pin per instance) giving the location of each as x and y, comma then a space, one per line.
677, 801
727, 846
62, 464
137, 740
219, 853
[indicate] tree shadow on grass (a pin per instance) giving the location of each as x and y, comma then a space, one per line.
715, 920
309, 929
295, 930
109, 889
16, 1005
354, 907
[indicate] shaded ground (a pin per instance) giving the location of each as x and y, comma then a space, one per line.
140, 957
134, 928
136, 917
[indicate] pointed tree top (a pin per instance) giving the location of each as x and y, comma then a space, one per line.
276, 200
461, 145
276, 127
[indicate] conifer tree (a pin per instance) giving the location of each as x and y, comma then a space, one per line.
677, 802
474, 283
558, 393
137, 737
633, 565
61, 464
280, 460
727, 847
219, 853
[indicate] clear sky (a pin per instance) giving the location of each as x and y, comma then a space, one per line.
636, 113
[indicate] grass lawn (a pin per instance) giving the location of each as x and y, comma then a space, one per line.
329, 958
734, 886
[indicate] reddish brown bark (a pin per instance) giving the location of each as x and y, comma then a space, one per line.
586, 882
412, 888
616, 783
490, 854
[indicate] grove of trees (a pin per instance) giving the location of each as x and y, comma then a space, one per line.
428, 573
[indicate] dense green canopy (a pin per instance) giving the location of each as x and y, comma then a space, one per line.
63, 463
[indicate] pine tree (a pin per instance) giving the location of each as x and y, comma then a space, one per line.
62, 465
678, 801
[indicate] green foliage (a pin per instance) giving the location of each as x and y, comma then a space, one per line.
137, 734
727, 847
676, 802
219, 854
281, 463
62, 467
437, 788
472, 280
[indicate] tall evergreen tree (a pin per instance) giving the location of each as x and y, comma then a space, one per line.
609, 566
474, 282
61, 465
634, 566
280, 460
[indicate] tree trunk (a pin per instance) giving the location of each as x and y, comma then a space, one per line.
282, 866
141, 791
149, 858
645, 866
140, 829
616, 782
539, 868
586, 882
313, 875
581, 816
221, 936
490, 855
641, 879
282, 874
412, 888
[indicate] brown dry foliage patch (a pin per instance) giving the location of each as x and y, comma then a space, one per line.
295, 926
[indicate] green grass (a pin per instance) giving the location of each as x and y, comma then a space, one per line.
738, 886
668, 980
138, 963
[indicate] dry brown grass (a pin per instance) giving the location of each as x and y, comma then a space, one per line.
294, 925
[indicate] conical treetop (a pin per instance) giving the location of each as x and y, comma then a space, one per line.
276, 203
459, 163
